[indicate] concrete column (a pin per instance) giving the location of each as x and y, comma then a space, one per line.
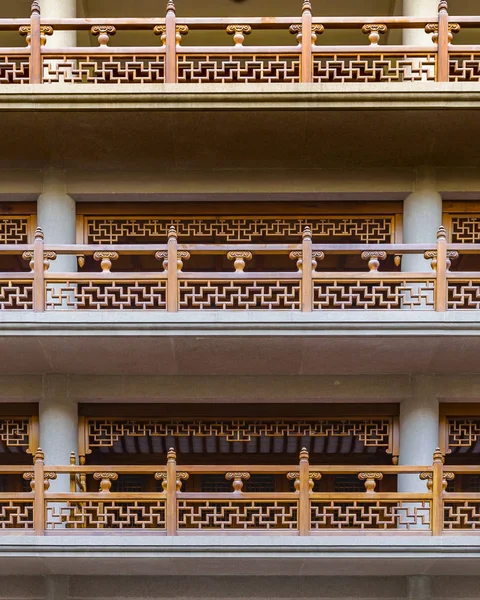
58, 420
422, 216
419, 8
419, 419
60, 9
419, 587
56, 215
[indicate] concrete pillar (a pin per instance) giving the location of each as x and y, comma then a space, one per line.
419, 587
419, 421
58, 420
419, 8
56, 215
422, 216
60, 9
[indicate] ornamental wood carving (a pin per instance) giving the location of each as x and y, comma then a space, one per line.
371, 432
369, 514
463, 432
112, 230
465, 229
14, 230
372, 68
15, 433
372, 295
104, 68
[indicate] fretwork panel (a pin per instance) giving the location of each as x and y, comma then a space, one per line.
96, 295
465, 67
465, 230
239, 295
14, 69
14, 230
106, 230
369, 514
463, 432
462, 514
371, 432
463, 295
105, 68
370, 68
16, 514
238, 68
106, 514
16, 295
373, 295
237, 514
14, 432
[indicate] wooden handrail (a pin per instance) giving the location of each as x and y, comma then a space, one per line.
303, 501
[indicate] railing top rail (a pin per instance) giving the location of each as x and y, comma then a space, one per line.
257, 469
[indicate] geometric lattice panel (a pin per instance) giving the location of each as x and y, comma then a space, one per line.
371, 432
112, 230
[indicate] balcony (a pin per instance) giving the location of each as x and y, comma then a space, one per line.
173, 287
169, 58
302, 511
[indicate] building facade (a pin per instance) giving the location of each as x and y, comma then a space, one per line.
239, 284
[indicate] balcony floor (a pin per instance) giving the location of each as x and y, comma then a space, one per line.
256, 343
240, 555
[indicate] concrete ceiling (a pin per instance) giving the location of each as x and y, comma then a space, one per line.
244, 139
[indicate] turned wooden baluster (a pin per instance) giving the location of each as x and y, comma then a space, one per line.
237, 481
370, 480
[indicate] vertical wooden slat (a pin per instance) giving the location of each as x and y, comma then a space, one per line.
33, 437
441, 283
35, 45
39, 490
437, 490
38, 272
171, 44
307, 272
304, 495
171, 492
443, 41
306, 76
172, 275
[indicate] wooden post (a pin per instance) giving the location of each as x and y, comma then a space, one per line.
304, 495
35, 44
443, 68
172, 276
39, 491
38, 272
437, 492
171, 492
306, 76
441, 289
307, 277
171, 44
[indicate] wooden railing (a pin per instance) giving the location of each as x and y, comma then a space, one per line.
302, 287
308, 61
301, 511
